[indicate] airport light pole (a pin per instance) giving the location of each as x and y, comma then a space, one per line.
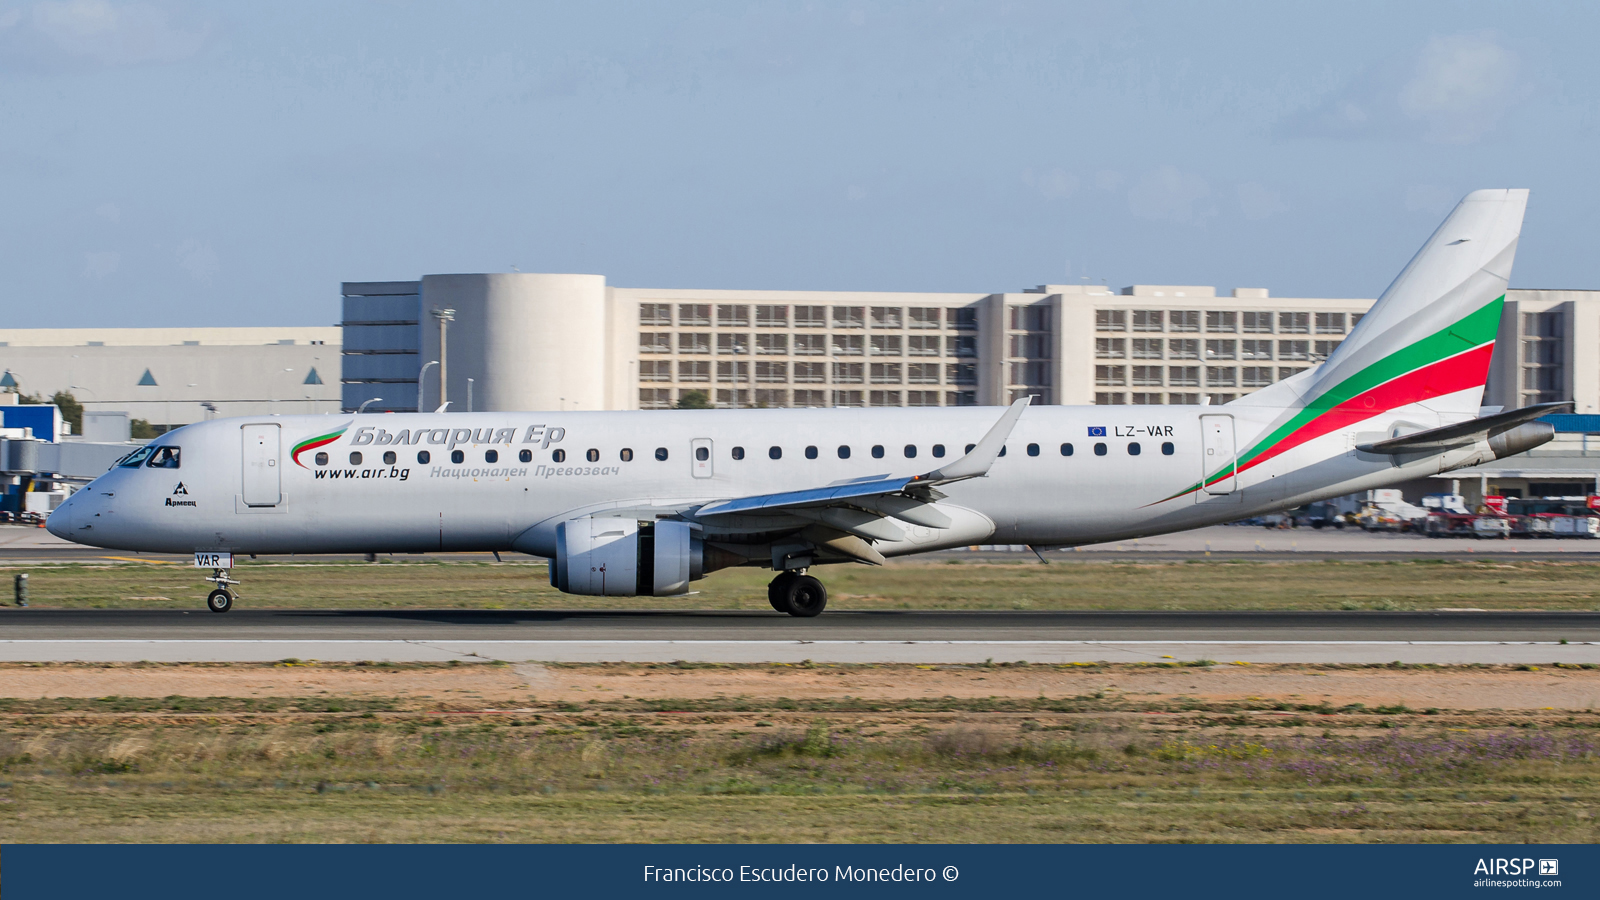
420, 382
445, 317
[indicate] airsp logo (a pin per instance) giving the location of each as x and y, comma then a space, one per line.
180, 489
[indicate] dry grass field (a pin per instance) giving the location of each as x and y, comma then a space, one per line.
675, 753
1069, 583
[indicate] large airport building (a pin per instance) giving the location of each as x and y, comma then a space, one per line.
526, 341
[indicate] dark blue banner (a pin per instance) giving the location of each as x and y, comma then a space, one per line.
253, 872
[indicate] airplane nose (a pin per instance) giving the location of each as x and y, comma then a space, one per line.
59, 522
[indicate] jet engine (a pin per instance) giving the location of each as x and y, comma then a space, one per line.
624, 558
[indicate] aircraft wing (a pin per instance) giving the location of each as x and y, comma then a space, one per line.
1435, 440
861, 509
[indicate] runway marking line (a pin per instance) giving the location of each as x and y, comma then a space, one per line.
153, 562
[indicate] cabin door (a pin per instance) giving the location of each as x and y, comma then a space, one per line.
262, 472
1219, 456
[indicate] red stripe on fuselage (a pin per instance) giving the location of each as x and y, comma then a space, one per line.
1447, 376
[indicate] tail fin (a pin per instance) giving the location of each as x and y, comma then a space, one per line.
1429, 338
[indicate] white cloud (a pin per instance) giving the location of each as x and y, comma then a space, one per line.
99, 265
1053, 184
1169, 195
199, 260
57, 32
1462, 85
1257, 202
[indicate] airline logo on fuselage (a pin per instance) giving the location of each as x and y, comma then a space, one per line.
542, 435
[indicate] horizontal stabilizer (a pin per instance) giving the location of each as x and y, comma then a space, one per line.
1435, 440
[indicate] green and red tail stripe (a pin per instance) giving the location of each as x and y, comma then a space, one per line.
1450, 360
320, 440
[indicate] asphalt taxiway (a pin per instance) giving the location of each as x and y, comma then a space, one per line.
904, 636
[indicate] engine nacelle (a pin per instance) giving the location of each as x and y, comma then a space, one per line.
621, 558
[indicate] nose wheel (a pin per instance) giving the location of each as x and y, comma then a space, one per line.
221, 599
797, 594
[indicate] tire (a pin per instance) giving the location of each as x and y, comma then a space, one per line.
805, 597
219, 601
777, 591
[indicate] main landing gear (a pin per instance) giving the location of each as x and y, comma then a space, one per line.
797, 594
221, 599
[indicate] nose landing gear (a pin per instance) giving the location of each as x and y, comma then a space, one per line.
797, 594
221, 599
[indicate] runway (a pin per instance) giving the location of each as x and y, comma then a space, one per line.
901, 636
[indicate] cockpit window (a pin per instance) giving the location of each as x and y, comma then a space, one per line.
164, 458
136, 459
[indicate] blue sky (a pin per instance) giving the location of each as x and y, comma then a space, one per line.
184, 163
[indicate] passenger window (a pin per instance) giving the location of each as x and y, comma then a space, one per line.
593, 455
136, 459
627, 454
558, 455
1033, 449
811, 453
355, 457
389, 457
492, 456
969, 448
938, 451
457, 456
1167, 449
423, 456
1066, 449
322, 459
661, 454
844, 451
1133, 448
911, 451
524, 456
700, 453
877, 451
738, 453
1099, 449
164, 458
775, 452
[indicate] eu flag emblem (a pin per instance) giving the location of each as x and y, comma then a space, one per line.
1097, 431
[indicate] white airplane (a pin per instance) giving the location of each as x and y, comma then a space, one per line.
644, 503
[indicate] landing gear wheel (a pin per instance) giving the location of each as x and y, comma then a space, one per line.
777, 591
219, 601
804, 597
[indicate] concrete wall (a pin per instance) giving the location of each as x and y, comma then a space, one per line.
529, 341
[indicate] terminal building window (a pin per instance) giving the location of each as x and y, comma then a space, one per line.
1108, 348
961, 373
1256, 322
810, 373
733, 371
694, 371
810, 345
960, 398
1255, 349
848, 398
654, 370
1218, 321
922, 345
848, 345
1183, 320
849, 316
884, 398
1183, 348
810, 399
1324, 349
655, 342
772, 372
1255, 376
694, 314
1147, 348
1114, 398
651, 398
848, 373
1183, 376
694, 342
887, 317
1222, 376
655, 314
1288, 372
964, 319
922, 373
773, 344
772, 317
811, 317
1294, 350
733, 315
922, 317
1147, 376
962, 346
734, 342
1222, 349
772, 398
922, 398
1146, 399
1330, 323
1294, 323
886, 373
1110, 320
886, 345
1113, 376
1148, 320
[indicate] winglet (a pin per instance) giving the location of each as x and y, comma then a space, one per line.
983, 454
